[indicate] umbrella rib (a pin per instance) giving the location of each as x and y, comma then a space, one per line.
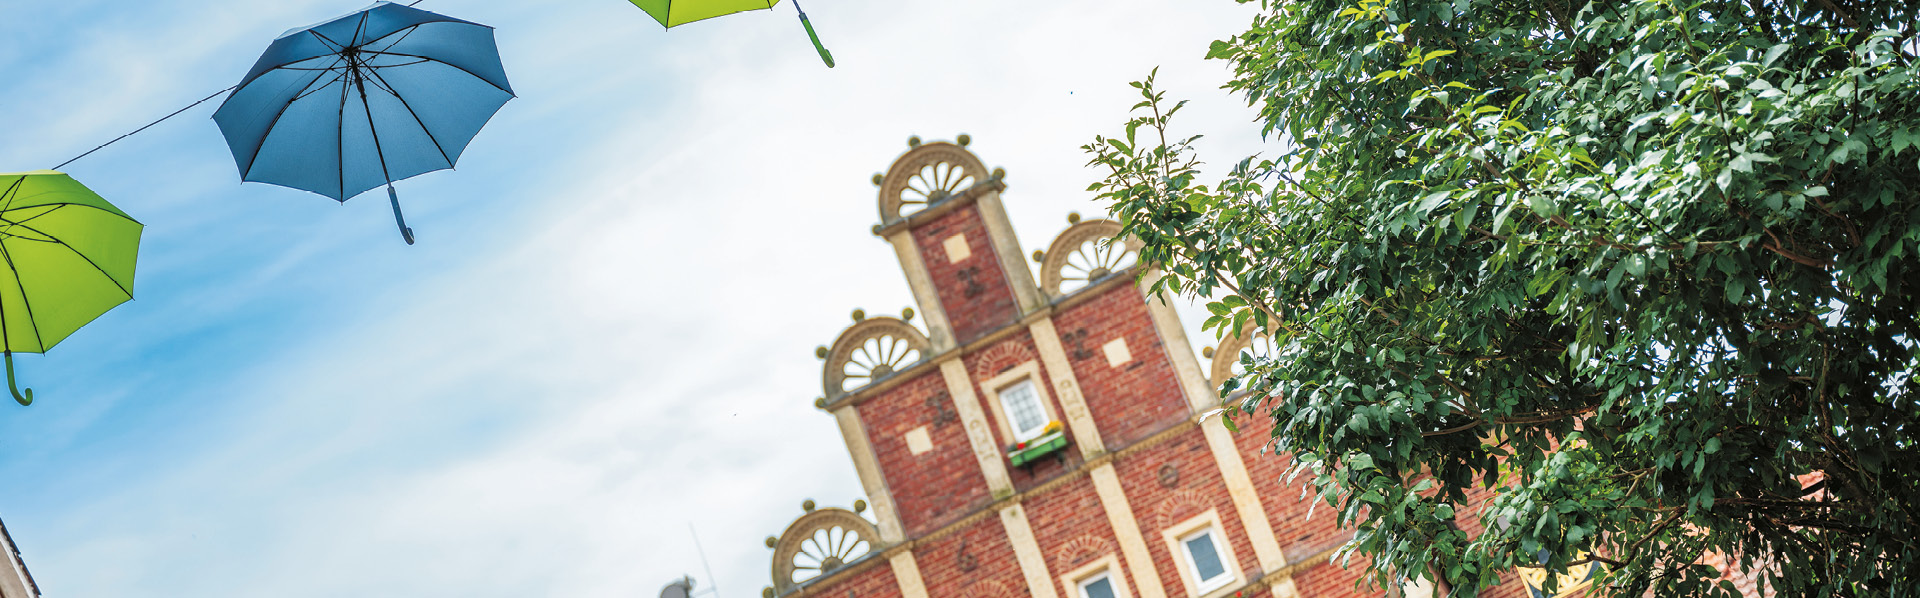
416, 116
56, 240
41, 342
340, 139
248, 171
432, 59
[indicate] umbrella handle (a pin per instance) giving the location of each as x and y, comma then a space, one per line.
405, 232
23, 398
825, 56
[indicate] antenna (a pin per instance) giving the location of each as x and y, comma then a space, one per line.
712, 582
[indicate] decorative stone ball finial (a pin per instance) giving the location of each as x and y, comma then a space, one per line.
1039, 256
859, 506
821, 351
1207, 352
820, 403
807, 505
878, 178
772, 541
876, 229
913, 141
1073, 217
999, 173
859, 314
964, 139
906, 314
766, 592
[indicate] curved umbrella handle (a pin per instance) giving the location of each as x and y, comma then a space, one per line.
825, 56
405, 232
24, 399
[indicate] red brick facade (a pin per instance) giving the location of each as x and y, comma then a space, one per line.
955, 518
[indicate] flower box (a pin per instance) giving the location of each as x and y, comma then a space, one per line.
1028, 451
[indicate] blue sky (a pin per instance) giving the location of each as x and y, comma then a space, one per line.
605, 332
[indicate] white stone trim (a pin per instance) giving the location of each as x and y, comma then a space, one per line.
867, 465
920, 280
1079, 419
1026, 550
1133, 546
985, 450
906, 572
1246, 498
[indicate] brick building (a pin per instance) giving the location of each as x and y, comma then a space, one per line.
1037, 436
1046, 437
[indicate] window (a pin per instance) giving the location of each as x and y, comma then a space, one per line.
1025, 414
1203, 554
1203, 560
1020, 405
1099, 578
1098, 586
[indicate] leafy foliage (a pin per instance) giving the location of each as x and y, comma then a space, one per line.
1627, 281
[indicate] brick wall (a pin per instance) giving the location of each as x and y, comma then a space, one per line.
933, 488
973, 291
1301, 527
996, 359
874, 582
1171, 482
1138, 398
974, 562
1071, 528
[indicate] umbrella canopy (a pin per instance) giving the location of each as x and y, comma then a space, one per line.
364, 100
680, 12
671, 13
68, 257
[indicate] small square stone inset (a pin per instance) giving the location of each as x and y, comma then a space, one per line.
1117, 353
957, 250
918, 441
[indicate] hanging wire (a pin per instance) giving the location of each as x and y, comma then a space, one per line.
162, 119
148, 125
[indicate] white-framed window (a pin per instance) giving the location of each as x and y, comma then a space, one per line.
1099, 578
1203, 551
1098, 586
1020, 402
1206, 560
1026, 415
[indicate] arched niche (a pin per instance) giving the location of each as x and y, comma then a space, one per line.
1084, 254
870, 350
926, 175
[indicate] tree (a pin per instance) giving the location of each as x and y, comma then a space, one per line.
1642, 269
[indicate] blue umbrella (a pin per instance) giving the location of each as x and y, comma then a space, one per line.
364, 100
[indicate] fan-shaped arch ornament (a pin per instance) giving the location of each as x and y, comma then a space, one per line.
926, 175
820, 542
870, 350
1084, 253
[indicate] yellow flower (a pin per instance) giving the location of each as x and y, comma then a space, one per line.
1052, 426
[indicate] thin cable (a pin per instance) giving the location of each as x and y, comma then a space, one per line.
162, 119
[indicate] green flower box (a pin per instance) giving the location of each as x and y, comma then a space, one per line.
1038, 447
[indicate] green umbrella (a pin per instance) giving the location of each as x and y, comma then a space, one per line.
69, 258
672, 13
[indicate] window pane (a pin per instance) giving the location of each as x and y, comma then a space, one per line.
1098, 587
1205, 556
1024, 413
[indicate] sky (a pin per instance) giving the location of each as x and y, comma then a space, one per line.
604, 338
